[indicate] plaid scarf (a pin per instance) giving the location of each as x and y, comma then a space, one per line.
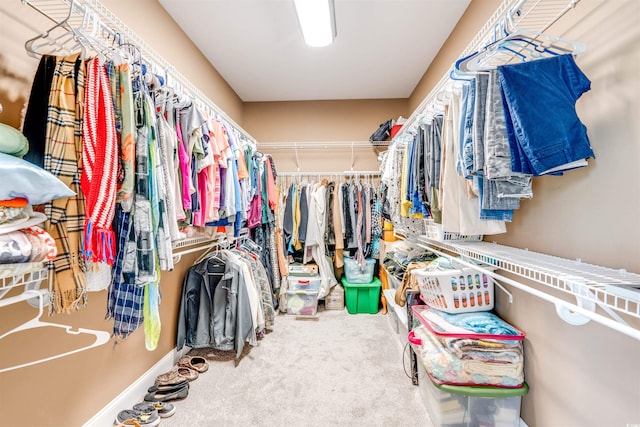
125, 296
63, 158
100, 161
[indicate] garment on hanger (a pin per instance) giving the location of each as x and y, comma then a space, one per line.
460, 214
545, 141
314, 244
35, 120
215, 309
62, 157
99, 166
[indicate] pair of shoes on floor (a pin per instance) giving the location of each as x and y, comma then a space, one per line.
189, 369
167, 393
176, 375
144, 414
195, 363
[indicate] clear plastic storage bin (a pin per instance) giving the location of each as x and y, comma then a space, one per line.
455, 355
304, 283
302, 303
450, 406
357, 274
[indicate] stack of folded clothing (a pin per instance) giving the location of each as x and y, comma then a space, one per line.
469, 348
24, 185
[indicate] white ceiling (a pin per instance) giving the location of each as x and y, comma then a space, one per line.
382, 49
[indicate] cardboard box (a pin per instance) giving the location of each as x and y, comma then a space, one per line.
297, 269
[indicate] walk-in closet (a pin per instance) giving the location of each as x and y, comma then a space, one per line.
424, 214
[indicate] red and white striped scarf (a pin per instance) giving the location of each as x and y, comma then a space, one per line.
100, 166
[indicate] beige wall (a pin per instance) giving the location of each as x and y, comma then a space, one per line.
70, 390
579, 376
477, 14
587, 375
321, 121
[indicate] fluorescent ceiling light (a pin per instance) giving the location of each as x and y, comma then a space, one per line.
317, 21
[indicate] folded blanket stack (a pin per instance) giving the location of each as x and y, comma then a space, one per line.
469, 348
31, 244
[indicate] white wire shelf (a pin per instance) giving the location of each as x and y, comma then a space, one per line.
612, 290
191, 241
29, 275
197, 244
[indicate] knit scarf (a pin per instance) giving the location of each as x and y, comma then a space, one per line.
100, 166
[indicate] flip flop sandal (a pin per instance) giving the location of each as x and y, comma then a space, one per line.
197, 363
132, 417
170, 378
165, 410
188, 373
167, 387
160, 396
127, 423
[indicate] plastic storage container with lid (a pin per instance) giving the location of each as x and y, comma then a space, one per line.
462, 406
362, 297
468, 348
305, 283
302, 303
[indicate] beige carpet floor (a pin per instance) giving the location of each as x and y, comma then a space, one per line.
341, 370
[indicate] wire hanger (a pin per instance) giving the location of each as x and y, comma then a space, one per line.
53, 45
101, 337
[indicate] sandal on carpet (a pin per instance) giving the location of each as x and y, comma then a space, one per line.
197, 363
166, 396
170, 378
165, 410
144, 416
167, 387
131, 422
188, 373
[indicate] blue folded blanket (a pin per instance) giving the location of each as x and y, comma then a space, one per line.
481, 322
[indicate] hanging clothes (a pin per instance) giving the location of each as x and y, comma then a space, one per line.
314, 243
63, 156
100, 165
460, 214
215, 310
35, 120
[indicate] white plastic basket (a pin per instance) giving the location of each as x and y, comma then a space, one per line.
456, 291
434, 231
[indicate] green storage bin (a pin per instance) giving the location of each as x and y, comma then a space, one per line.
362, 297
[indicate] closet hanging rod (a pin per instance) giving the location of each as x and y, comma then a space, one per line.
316, 144
538, 15
336, 173
54, 10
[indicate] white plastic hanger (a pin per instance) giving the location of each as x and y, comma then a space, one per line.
517, 44
101, 337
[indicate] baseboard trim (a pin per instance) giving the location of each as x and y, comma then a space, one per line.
134, 393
